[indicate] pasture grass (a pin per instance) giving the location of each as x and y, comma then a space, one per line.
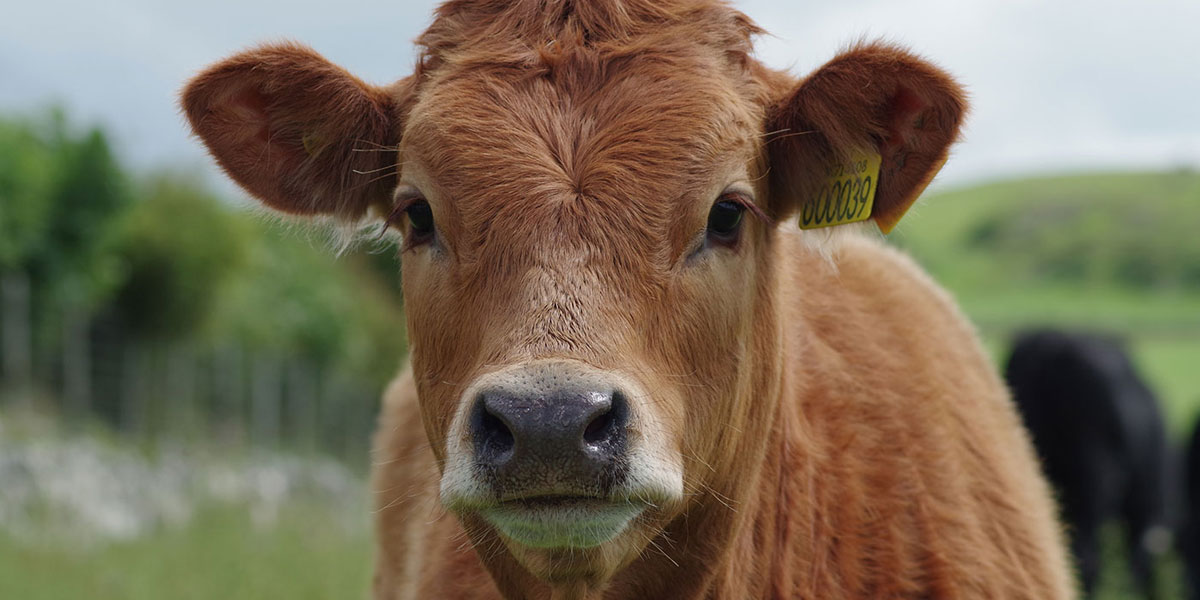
1171, 365
1116, 580
947, 218
1004, 288
306, 554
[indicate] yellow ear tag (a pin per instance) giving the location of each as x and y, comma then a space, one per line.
847, 195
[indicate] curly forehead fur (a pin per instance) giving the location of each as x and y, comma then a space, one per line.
545, 107
524, 33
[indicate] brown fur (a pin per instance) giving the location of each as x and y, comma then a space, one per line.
907, 478
842, 434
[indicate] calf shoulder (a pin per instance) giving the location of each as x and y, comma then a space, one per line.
921, 478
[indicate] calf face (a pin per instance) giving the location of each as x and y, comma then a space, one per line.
587, 197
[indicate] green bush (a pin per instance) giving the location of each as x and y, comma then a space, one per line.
1111, 239
60, 195
160, 259
179, 247
26, 169
294, 294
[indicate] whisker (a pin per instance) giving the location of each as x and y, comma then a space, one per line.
788, 135
661, 551
377, 144
380, 178
399, 500
771, 133
368, 172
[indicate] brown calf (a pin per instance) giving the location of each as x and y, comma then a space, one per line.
631, 375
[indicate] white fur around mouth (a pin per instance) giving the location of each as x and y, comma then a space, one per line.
569, 523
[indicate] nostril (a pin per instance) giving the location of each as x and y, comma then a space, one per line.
494, 440
498, 435
608, 427
600, 429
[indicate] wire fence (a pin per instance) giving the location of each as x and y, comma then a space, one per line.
86, 369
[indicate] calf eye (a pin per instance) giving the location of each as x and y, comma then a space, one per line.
411, 204
725, 221
420, 219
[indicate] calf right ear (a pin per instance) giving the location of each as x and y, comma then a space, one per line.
296, 131
875, 106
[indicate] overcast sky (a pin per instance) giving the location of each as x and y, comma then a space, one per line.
1055, 85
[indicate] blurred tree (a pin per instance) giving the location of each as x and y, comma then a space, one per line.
26, 165
178, 247
293, 295
154, 267
62, 210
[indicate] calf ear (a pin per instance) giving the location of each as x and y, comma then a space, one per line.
871, 99
296, 131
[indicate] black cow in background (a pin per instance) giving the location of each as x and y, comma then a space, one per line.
1100, 435
1189, 539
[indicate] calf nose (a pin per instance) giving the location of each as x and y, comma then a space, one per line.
565, 439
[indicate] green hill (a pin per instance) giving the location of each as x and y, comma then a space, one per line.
1113, 251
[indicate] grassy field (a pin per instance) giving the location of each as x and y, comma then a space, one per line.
1112, 252
1167, 360
222, 553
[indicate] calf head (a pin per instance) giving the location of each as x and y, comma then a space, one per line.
588, 197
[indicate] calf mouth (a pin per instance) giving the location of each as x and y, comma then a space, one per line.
563, 521
557, 455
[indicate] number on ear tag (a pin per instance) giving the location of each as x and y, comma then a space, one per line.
847, 194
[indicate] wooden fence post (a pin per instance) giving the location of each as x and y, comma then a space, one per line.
265, 401
16, 345
76, 364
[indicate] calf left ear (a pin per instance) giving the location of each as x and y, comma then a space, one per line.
872, 99
296, 131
